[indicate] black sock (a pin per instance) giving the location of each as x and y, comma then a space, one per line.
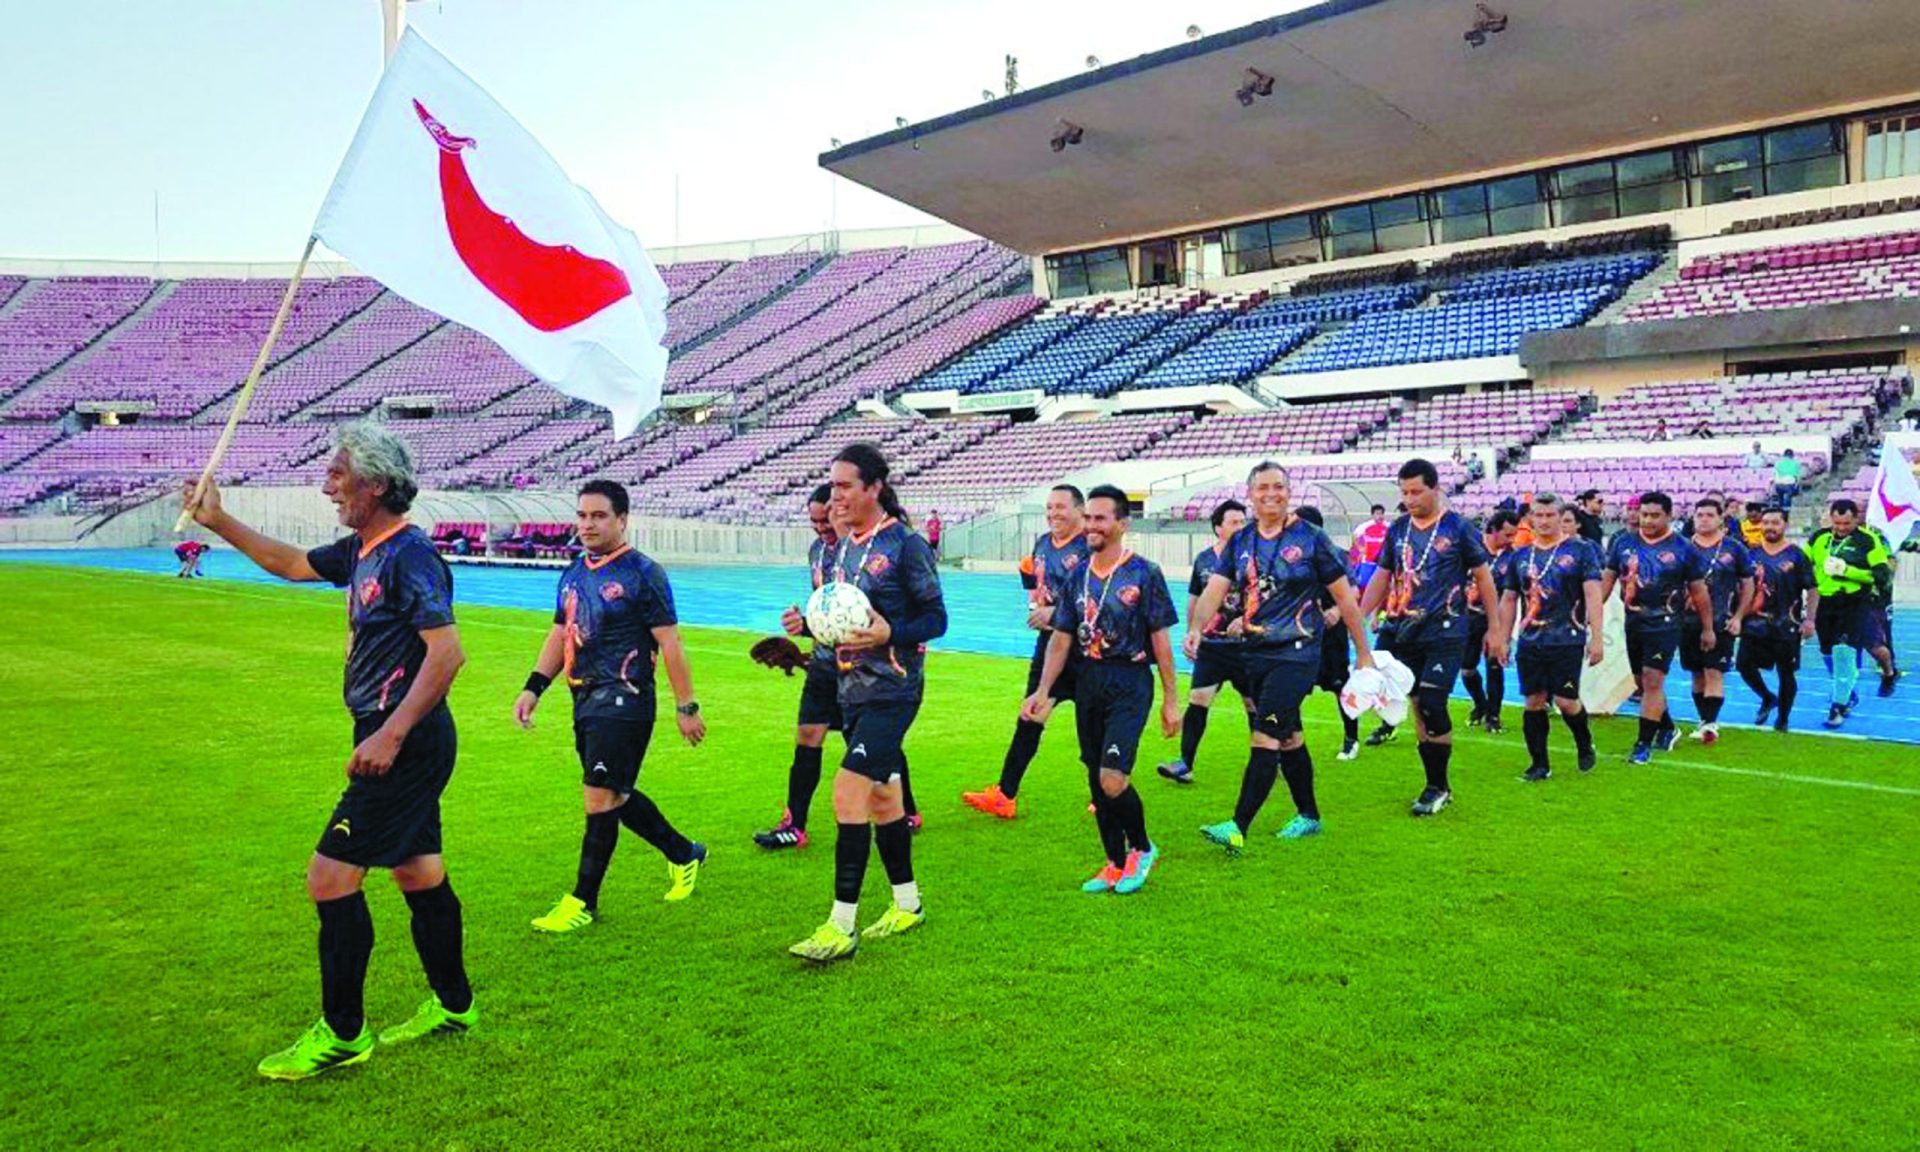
1699, 706
1470, 677
1789, 688
803, 780
437, 936
1533, 725
1434, 757
1020, 753
1296, 764
596, 852
895, 842
643, 817
1132, 815
907, 802
1712, 706
850, 861
1754, 682
1496, 688
346, 941
1580, 724
1263, 768
1191, 729
1349, 727
1113, 837
1648, 730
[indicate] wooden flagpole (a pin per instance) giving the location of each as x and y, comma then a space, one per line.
246, 390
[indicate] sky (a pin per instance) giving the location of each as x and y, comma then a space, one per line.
209, 130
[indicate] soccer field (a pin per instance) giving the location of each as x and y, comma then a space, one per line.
1716, 951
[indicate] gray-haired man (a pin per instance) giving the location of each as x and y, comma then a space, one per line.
402, 659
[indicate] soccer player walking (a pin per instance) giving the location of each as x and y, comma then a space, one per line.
1846, 561
1659, 576
1779, 619
402, 656
1490, 693
881, 670
1334, 672
1550, 602
1057, 554
1431, 557
1116, 611
1279, 565
1729, 582
613, 618
1212, 645
819, 694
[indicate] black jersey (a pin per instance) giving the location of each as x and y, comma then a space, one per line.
896, 569
609, 606
1780, 584
1654, 577
1279, 581
1113, 618
1428, 573
1552, 586
397, 588
1047, 569
1727, 563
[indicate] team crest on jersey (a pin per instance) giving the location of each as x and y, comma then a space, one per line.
1291, 553
877, 566
1667, 557
1565, 563
1070, 561
1130, 595
1443, 544
611, 592
369, 591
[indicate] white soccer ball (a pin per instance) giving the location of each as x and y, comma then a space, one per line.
835, 610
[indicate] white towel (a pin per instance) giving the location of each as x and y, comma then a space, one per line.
1383, 689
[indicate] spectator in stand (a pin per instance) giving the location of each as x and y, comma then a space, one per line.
1910, 420
934, 529
1756, 459
1475, 469
1588, 510
1786, 479
1367, 540
1660, 429
1751, 533
1702, 430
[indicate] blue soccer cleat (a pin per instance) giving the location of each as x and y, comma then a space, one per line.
1299, 828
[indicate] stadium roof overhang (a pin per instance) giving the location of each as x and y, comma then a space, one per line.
1373, 96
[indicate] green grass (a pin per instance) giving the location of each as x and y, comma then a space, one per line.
1659, 957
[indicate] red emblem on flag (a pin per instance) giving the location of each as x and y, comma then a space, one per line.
549, 286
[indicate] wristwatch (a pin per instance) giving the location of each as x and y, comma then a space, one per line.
690, 708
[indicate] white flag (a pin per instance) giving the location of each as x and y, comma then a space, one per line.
1894, 507
449, 202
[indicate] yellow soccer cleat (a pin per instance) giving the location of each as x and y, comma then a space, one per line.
569, 915
895, 921
318, 1050
685, 876
827, 944
433, 1019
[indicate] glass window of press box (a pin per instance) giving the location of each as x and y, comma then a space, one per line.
1790, 159
1893, 147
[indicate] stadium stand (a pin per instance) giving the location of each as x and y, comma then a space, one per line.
55, 319
1790, 276
1831, 215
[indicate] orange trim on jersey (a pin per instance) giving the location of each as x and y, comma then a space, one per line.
1094, 568
871, 532
1068, 540
367, 548
595, 563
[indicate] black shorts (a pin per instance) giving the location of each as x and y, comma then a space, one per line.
1111, 711
1876, 627
611, 750
876, 733
820, 696
1063, 688
1840, 620
1551, 669
384, 821
1217, 663
1694, 660
1277, 683
1651, 648
1763, 652
1433, 664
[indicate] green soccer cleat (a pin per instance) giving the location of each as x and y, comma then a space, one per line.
827, 944
685, 876
893, 922
569, 915
432, 1018
1227, 834
318, 1050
